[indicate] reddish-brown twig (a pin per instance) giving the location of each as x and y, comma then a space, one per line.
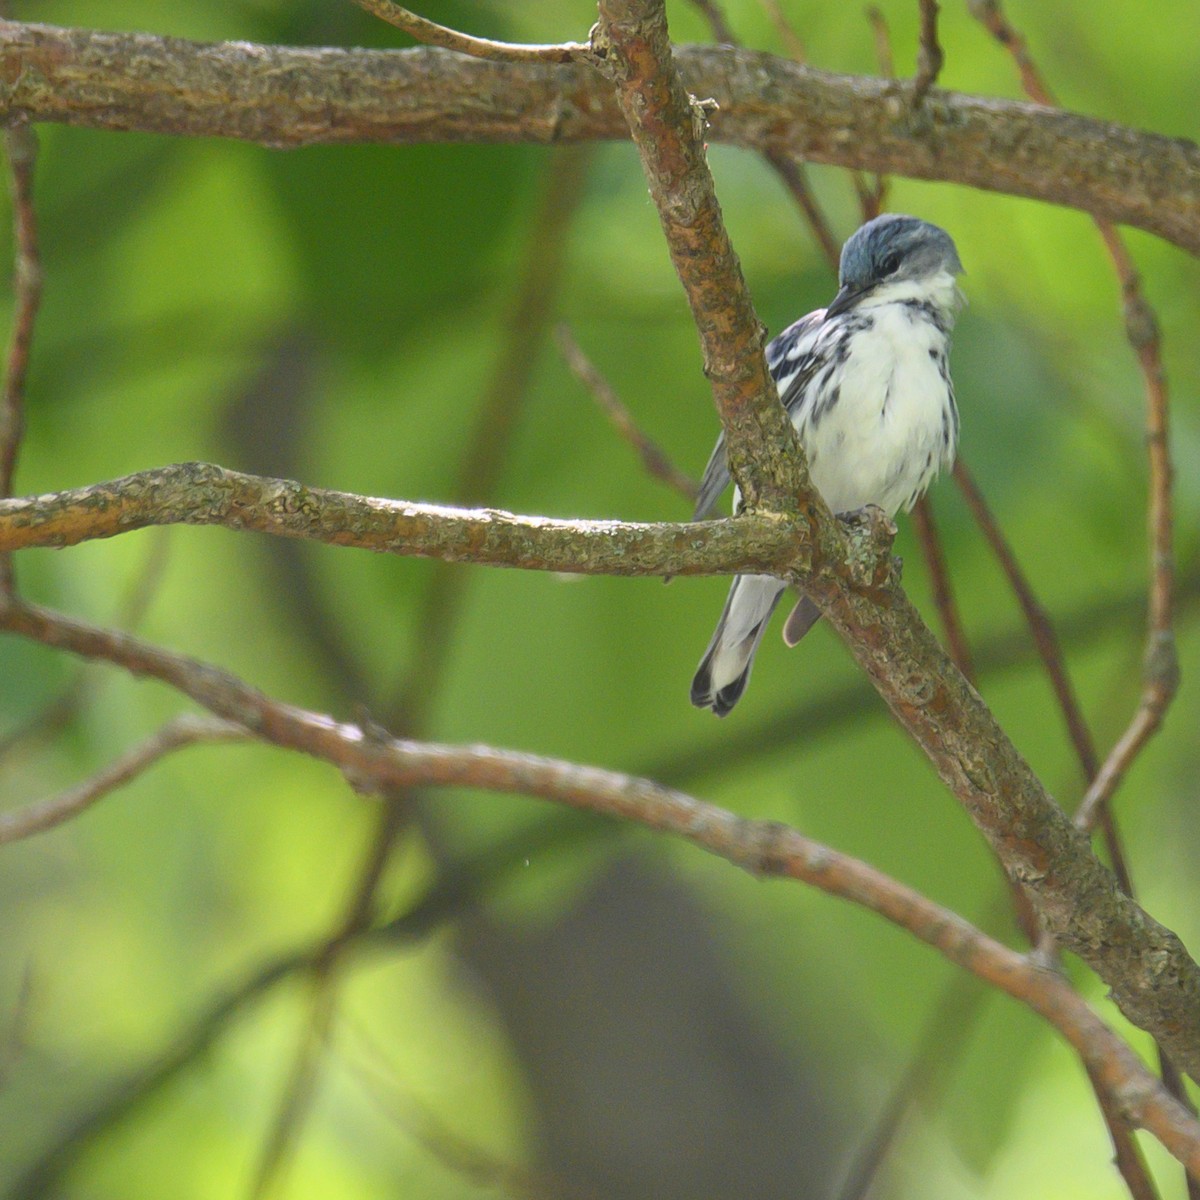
1160, 668
1040, 625
1161, 677
654, 458
789, 168
943, 591
793, 43
433, 34
20, 143
929, 52
46, 814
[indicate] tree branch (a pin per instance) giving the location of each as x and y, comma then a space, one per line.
433, 34
631, 46
290, 96
762, 847
183, 731
203, 494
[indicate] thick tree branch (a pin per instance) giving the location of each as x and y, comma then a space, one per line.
284, 96
632, 47
202, 494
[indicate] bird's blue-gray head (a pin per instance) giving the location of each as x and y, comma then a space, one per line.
897, 257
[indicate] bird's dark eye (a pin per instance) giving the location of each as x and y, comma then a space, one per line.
890, 264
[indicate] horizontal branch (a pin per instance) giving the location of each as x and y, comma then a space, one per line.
293, 96
203, 494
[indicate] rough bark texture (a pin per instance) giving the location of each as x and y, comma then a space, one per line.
287, 96
203, 494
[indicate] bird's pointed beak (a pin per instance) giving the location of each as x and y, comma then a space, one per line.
845, 300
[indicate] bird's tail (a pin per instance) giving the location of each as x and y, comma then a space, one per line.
725, 668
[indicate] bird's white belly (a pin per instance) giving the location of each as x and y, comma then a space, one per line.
891, 428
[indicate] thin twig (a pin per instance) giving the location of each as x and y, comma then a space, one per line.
59, 712
715, 16
497, 417
793, 43
929, 54
299, 1091
1161, 665
654, 458
432, 34
46, 814
21, 148
883, 41
943, 590
872, 197
1141, 326
380, 1080
1040, 625
788, 167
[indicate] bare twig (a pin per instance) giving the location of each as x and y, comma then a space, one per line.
788, 167
56, 714
433, 34
943, 591
1141, 326
792, 41
1161, 667
631, 44
14, 1025
715, 16
872, 197
929, 54
654, 458
20, 144
55, 810
300, 1088
496, 420
481, 1168
883, 41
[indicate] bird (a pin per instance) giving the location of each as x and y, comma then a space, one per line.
866, 383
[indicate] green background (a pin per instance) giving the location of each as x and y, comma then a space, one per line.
334, 315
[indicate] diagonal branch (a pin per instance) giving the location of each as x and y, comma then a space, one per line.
289, 96
632, 47
433, 34
762, 847
46, 814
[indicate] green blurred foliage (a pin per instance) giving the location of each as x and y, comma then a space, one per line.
373, 286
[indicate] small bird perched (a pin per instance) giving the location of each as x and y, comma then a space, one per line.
866, 383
